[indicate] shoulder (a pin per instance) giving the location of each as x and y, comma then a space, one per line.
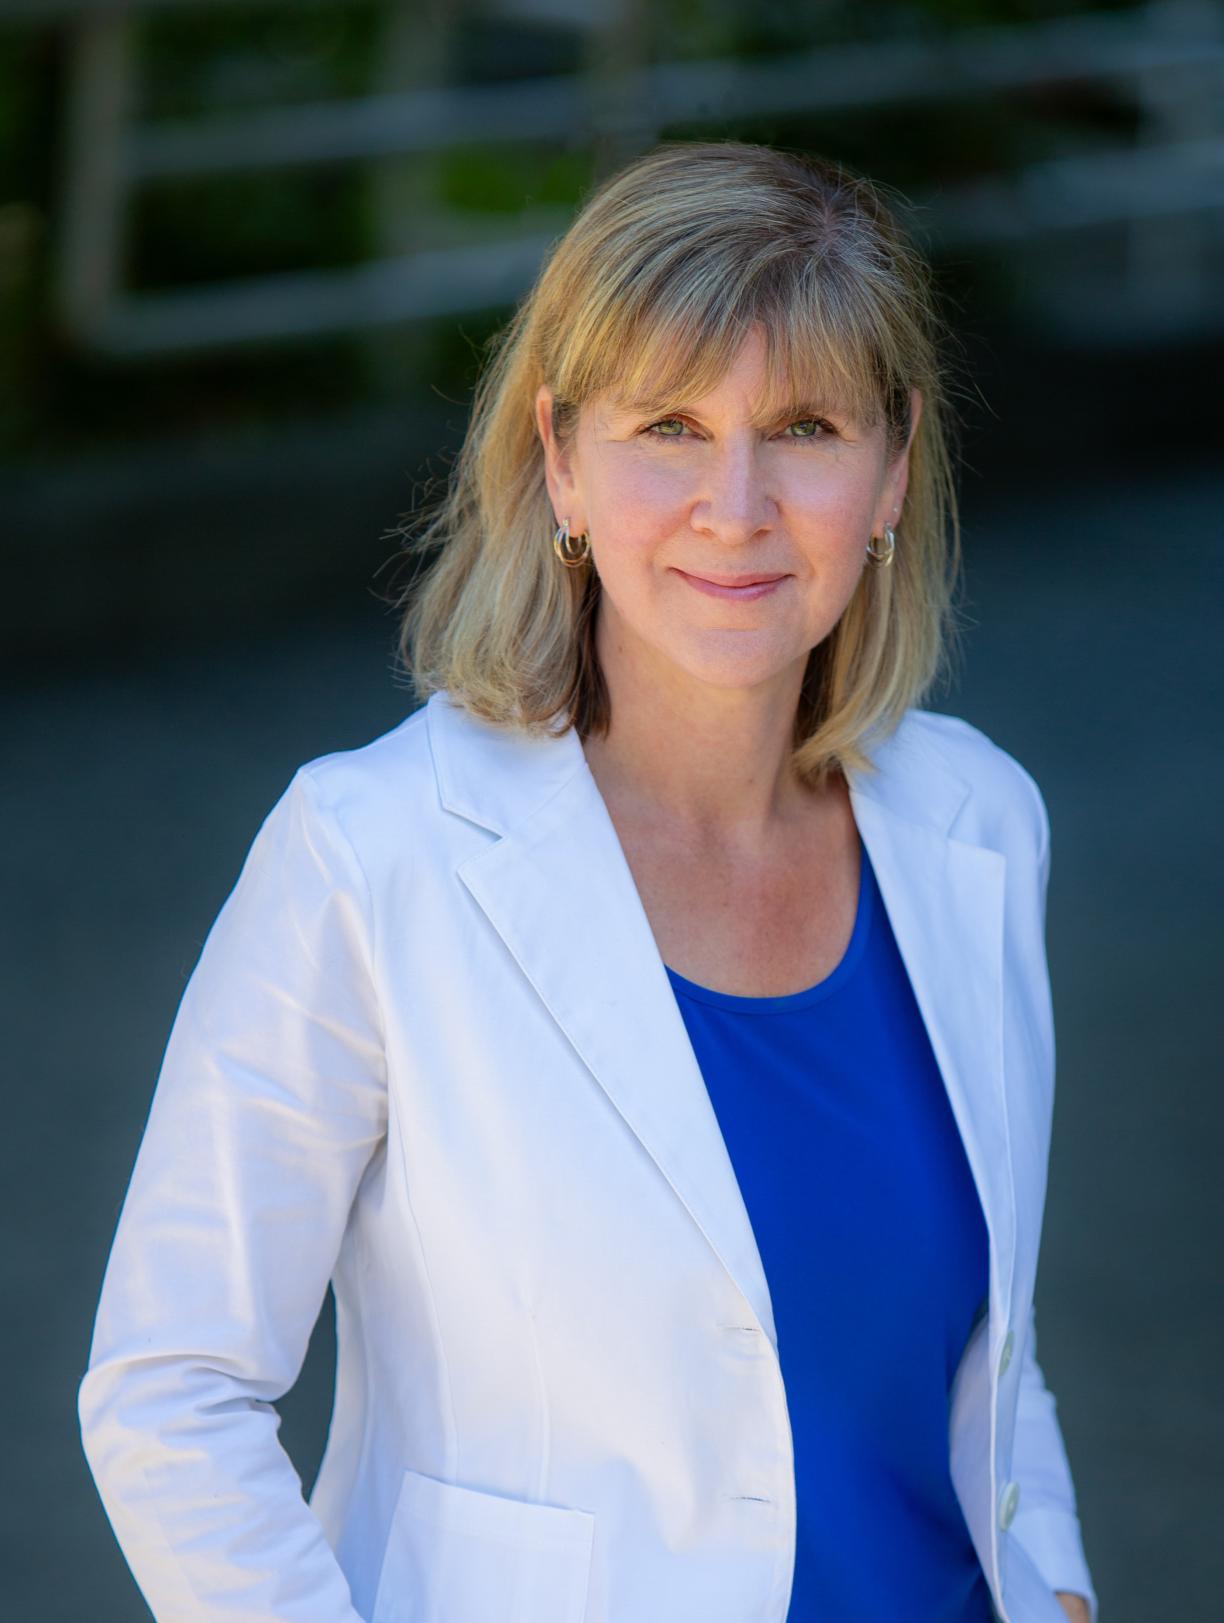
1001, 805
384, 770
360, 800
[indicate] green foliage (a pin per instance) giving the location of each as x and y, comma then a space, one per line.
216, 60
26, 185
501, 180
216, 228
203, 63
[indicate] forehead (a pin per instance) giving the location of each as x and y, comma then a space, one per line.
764, 381
759, 408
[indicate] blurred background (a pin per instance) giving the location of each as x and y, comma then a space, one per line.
250, 256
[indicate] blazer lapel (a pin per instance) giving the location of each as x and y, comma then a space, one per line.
560, 893
944, 898
558, 890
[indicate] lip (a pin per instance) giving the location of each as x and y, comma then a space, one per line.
737, 589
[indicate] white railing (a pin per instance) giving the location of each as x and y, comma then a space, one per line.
1164, 60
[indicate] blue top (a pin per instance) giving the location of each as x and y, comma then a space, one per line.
874, 1245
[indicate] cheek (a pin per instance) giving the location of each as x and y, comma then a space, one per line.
837, 496
831, 519
635, 510
639, 503
642, 494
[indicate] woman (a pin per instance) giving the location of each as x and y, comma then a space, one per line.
650, 1036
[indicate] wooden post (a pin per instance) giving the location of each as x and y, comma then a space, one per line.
412, 55
87, 251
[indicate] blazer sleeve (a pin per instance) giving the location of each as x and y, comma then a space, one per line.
270, 1103
1046, 1522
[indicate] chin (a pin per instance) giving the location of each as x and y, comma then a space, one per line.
737, 668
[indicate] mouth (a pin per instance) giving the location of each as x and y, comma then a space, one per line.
736, 588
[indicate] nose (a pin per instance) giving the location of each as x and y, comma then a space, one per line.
733, 502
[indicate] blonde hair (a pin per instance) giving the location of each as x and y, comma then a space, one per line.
649, 295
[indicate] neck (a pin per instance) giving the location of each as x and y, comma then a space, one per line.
714, 759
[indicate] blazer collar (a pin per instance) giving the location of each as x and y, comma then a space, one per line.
498, 778
556, 887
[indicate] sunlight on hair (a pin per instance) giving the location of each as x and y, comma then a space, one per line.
643, 304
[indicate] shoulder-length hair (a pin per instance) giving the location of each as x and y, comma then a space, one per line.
649, 295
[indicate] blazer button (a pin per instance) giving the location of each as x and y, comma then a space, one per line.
1008, 1501
1005, 1357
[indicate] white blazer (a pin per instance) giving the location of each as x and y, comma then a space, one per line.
430, 1052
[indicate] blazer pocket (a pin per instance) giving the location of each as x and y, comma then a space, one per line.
460, 1555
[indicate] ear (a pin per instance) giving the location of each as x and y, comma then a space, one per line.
558, 472
897, 479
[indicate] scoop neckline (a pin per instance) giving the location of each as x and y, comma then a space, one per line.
787, 1002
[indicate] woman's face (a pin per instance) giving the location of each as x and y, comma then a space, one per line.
725, 551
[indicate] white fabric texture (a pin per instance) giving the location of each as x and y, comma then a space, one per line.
430, 1052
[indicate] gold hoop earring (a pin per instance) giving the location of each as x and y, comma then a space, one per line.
573, 551
882, 556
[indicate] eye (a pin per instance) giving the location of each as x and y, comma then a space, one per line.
806, 428
813, 428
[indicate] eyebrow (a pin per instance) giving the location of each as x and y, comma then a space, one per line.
807, 408
787, 412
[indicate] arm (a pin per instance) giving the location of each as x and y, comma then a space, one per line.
270, 1102
1046, 1522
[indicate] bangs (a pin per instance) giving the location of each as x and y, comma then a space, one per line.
821, 353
